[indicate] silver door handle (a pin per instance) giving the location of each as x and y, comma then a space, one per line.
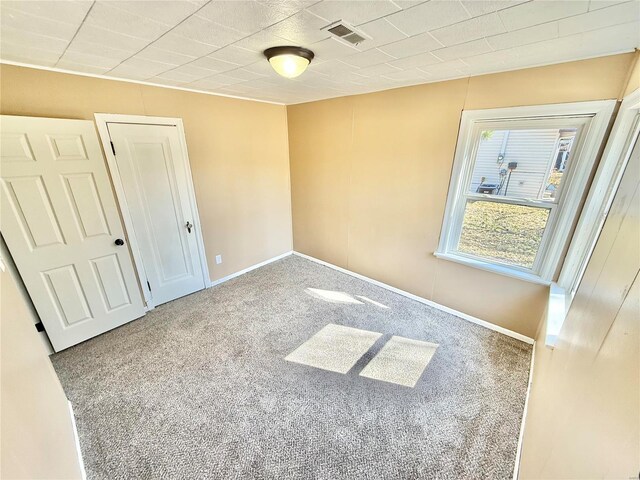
189, 226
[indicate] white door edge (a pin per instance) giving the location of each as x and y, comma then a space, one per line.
102, 121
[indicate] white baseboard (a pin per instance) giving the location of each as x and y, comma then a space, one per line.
77, 440
464, 316
516, 467
213, 283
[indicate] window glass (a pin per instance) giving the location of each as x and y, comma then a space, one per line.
504, 232
522, 163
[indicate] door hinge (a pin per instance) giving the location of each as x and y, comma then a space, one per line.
148, 285
39, 327
113, 149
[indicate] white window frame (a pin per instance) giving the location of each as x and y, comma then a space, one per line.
620, 144
592, 119
605, 184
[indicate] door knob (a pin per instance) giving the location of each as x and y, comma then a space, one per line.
189, 226
119, 242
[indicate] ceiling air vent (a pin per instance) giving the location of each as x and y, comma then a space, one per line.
345, 32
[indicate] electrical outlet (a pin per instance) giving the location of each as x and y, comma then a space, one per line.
218, 259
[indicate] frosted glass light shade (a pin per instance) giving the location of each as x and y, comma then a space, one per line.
289, 62
289, 66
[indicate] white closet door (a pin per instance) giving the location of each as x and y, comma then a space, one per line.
61, 223
153, 171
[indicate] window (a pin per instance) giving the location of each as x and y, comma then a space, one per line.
519, 178
620, 145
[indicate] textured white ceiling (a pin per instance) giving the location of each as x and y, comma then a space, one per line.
216, 46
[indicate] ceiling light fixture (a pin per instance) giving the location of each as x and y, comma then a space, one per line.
289, 62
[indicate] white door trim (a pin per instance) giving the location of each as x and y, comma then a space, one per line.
102, 119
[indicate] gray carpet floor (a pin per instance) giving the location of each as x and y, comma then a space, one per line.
199, 388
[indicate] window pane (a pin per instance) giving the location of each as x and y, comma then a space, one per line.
507, 233
522, 163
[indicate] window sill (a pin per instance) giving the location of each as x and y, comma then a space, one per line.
492, 267
556, 313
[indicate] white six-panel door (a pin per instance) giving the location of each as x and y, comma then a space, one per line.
152, 167
60, 221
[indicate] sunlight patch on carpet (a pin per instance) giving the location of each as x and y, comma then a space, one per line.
400, 361
332, 296
336, 348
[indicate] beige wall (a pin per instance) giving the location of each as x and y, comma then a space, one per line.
634, 76
370, 174
238, 151
36, 434
583, 418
